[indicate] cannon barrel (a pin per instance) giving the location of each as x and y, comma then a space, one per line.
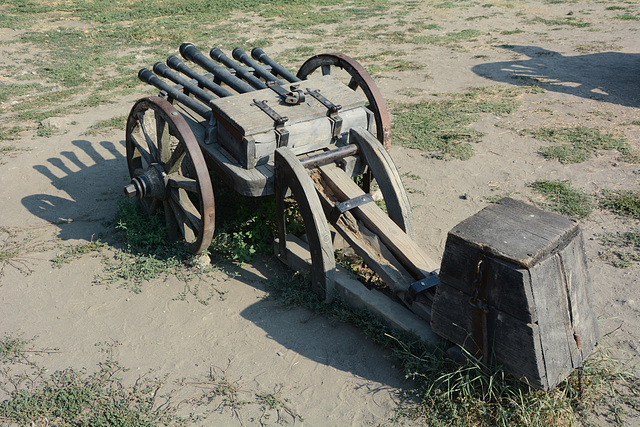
175, 63
219, 56
148, 77
242, 56
162, 70
259, 54
191, 53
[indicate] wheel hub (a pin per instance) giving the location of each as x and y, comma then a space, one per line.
151, 183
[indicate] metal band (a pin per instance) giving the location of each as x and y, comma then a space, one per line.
347, 205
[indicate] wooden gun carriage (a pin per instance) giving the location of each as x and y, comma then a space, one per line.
266, 131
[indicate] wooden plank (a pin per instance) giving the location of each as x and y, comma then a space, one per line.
513, 343
556, 334
508, 284
248, 119
358, 296
374, 253
248, 182
517, 231
403, 247
579, 290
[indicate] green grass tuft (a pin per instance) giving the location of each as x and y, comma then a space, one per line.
74, 252
577, 144
118, 122
441, 127
449, 38
10, 134
564, 199
621, 202
76, 397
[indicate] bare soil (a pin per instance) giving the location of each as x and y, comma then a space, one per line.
59, 190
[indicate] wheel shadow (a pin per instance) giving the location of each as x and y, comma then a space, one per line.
605, 76
91, 178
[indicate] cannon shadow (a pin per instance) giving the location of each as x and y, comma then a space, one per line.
606, 76
91, 180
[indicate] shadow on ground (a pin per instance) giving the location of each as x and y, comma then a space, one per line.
605, 76
93, 187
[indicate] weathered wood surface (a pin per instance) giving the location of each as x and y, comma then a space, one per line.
387, 177
407, 251
257, 149
250, 120
523, 237
540, 322
291, 175
514, 344
358, 296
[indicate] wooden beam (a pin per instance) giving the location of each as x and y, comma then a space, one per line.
401, 245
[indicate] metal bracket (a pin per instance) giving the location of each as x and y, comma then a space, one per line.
347, 205
333, 108
292, 96
478, 301
282, 134
336, 120
416, 288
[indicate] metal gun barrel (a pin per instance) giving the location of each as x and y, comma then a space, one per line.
259, 54
162, 70
175, 63
242, 56
219, 56
148, 77
191, 53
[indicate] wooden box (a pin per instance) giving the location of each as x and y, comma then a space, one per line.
248, 134
539, 321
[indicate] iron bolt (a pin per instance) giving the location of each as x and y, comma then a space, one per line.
130, 190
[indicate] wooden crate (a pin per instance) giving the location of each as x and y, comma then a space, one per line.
540, 324
247, 132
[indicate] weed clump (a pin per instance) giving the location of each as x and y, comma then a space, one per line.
75, 397
441, 127
563, 198
578, 144
623, 203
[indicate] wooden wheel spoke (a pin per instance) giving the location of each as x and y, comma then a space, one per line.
326, 70
182, 222
353, 83
153, 149
190, 212
188, 184
144, 153
164, 139
174, 162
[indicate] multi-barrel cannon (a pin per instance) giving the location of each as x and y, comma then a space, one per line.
512, 287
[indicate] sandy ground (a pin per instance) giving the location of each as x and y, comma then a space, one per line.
60, 189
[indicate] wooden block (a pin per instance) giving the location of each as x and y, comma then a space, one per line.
540, 324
